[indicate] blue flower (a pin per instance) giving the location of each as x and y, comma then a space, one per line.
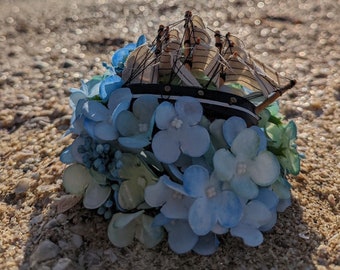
179, 130
259, 215
120, 56
87, 90
212, 206
100, 120
243, 167
174, 204
234, 125
136, 127
108, 85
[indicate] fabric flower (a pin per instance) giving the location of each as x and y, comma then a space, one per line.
283, 144
78, 180
136, 127
243, 168
234, 125
173, 204
120, 56
179, 130
123, 228
212, 205
136, 176
259, 215
100, 120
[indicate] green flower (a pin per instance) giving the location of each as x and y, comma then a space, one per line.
282, 144
136, 177
123, 228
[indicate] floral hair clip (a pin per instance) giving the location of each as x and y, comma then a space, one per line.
182, 137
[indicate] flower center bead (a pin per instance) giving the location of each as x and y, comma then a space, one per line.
241, 168
142, 127
177, 123
210, 192
177, 196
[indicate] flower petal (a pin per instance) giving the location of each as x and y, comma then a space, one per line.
120, 95
76, 178
251, 236
268, 176
230, 209
165, 147
194, 141
232, 127
66, 155
256, 214
108, 85
148, 234
268, 198
246, 144
262, 136
195, 179
217, 137
134, 142
127, 124
189, 109
95, 195
206, 244
157, 194
144, 107
181, 238
130, 194
121, 229
176, 208
224, 164
165, 113
202, 217
244, 187
105, 131
95, 111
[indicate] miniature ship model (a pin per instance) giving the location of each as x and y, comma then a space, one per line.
223, 77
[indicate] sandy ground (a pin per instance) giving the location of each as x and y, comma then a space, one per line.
46, 47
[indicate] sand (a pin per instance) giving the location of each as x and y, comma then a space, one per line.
46, 47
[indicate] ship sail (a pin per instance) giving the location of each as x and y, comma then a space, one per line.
186, 58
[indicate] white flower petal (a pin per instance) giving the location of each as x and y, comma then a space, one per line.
265, 169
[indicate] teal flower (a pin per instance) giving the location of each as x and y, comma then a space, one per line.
180, 131
243, 167
135, 127
282, 143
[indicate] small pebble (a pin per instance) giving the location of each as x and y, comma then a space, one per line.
22, 186
331, 200
64, 264
45, 251
77, 240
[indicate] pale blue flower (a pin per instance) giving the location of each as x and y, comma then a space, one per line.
120, 56
87, 90
108, 85
243, 167
182, 239
180, 131
100, 119
259, 215
136, 126
234, 125
212, 205
174, 204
